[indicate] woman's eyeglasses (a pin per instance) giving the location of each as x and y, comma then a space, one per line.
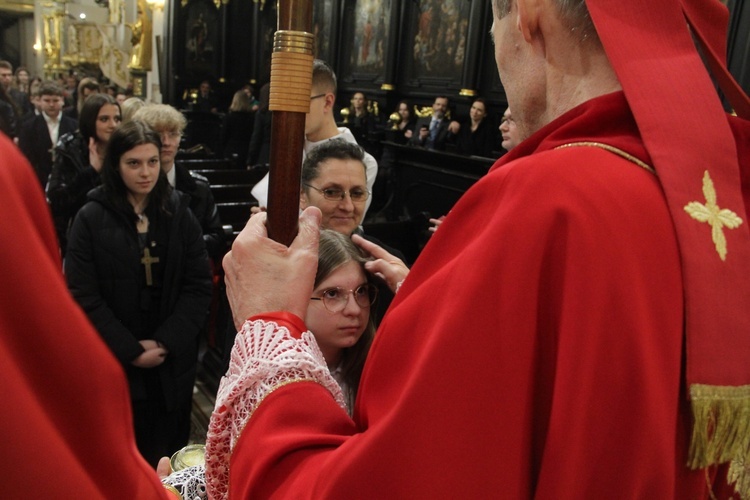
336, 194
335, 299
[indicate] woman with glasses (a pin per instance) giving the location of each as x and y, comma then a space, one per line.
334, 180
339, 311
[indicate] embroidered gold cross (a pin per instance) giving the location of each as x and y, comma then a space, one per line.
716, 217
147, 260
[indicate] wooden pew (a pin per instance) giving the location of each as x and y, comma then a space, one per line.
205, 163
235, 213
421, 184
224, 193
231, 190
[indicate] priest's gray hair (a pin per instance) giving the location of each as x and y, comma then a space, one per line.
574, 14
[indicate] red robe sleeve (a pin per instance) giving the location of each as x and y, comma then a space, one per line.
66, 421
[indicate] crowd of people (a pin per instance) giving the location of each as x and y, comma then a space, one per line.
21, 99
476, 135
574, 329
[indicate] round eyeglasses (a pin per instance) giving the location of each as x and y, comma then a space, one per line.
335, 299
337, 194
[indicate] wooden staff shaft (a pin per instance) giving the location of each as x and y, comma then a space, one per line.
291, 81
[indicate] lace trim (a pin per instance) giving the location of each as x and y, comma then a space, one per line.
189, 483
265, 357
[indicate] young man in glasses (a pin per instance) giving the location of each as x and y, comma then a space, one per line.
320, 127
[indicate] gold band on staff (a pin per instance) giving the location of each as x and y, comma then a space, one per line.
293, 41
291, 71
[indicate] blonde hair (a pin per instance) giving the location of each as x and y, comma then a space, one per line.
161, 117
130, 106
240, 102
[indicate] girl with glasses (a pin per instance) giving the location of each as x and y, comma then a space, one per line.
339, 311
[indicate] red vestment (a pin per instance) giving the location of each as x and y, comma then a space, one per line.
66, 422
536, 348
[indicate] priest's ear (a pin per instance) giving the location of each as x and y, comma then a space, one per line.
528, 16
303, 201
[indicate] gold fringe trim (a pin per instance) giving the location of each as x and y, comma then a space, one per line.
721, 431
739, 474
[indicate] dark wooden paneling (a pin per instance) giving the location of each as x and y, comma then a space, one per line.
739, 43
421, 184
245, 33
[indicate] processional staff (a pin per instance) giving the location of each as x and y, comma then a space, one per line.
291, 81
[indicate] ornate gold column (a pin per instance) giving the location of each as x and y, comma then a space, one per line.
142, 52
53, 20
142, 39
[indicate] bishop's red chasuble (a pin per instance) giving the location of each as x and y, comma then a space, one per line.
535, 350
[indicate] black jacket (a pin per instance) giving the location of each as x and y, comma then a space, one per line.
204, 208
8, 119
260, 142
441, 136
23, 103
36, 144
105, 275
236, 131
71, 179
481, 142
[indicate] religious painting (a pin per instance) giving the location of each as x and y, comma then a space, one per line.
324, 19
201, 39
371, 32
438, 39
366, 33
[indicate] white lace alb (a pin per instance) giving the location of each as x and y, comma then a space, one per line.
264, 358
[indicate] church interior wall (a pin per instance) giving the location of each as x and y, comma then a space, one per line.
388, 49
738, 49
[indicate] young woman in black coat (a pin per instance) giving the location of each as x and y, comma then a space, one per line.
78, 161
138, 266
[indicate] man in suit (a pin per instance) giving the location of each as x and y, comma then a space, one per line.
39, 135
432, 132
